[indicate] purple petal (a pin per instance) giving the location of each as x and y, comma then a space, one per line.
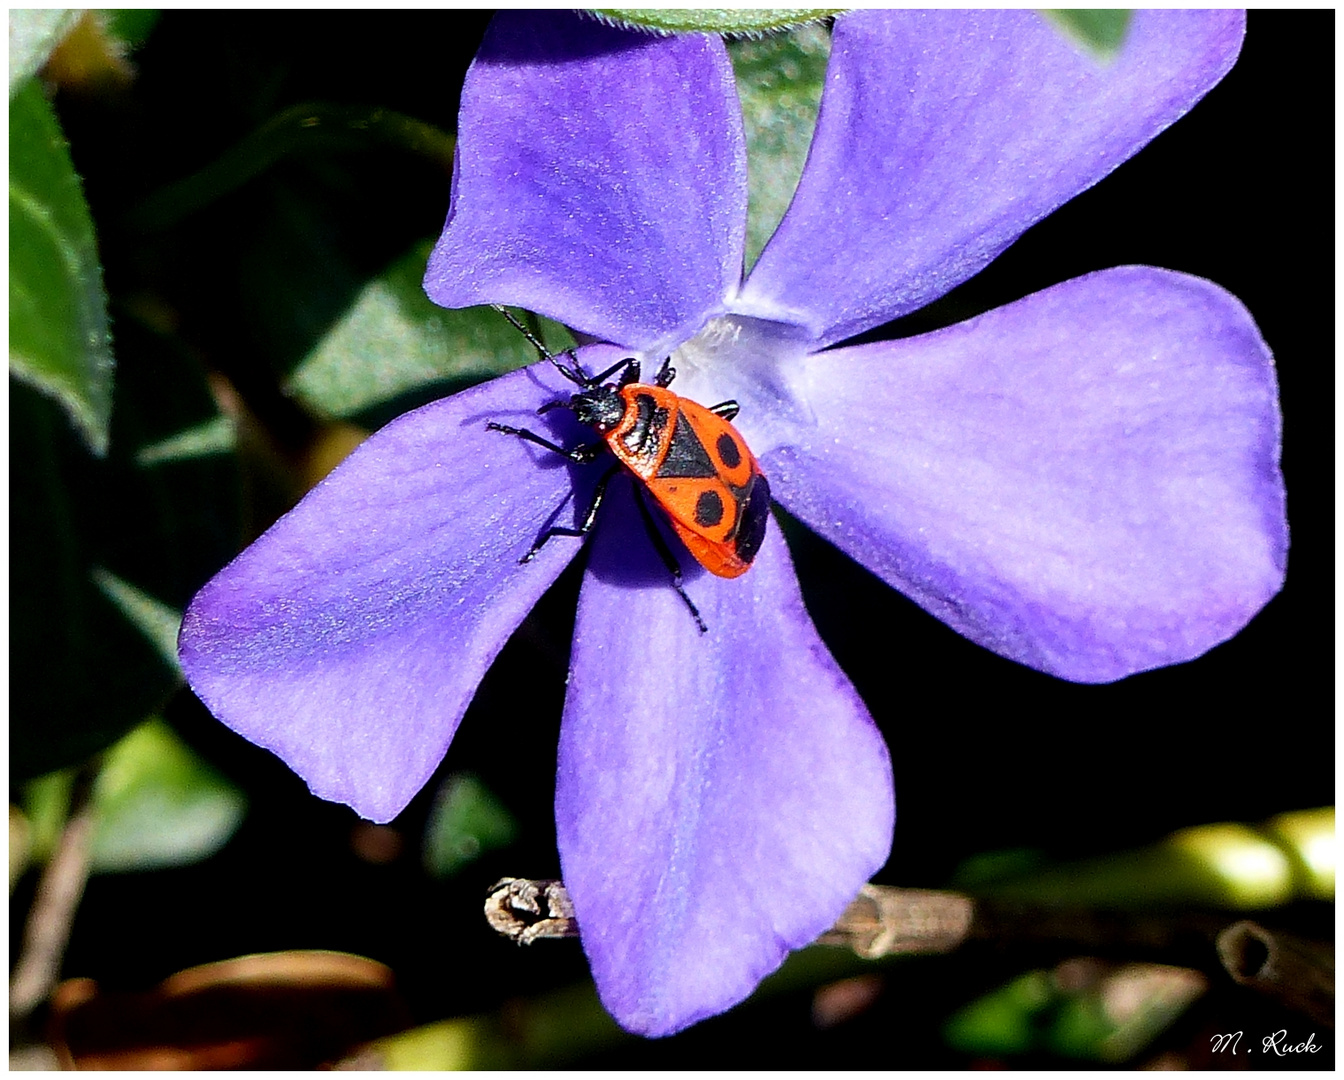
721, 797
944, 135
600, 179
1085, 481
350, 638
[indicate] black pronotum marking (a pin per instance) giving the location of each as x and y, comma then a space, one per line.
647, 431
708, 509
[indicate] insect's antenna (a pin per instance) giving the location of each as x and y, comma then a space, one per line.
575, 376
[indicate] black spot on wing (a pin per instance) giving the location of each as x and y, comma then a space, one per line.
708, 509
729, 454
685, 455
752, 519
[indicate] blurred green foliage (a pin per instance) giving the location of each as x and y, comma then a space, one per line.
779, 81
131, 26
467, 821
309, 128
1082, 1010
1101, 30
59, 340
263, 200
112, 551
1224, 866
157, 804
394, 341
745, 21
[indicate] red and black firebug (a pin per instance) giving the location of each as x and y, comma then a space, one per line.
690, 458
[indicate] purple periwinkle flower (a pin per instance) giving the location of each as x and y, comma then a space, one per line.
1085, 481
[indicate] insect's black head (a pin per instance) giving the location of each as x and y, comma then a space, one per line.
601, 407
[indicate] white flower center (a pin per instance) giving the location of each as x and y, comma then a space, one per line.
753, 362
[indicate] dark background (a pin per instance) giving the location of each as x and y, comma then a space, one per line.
987, 754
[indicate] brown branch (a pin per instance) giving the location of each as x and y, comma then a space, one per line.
1298, 973
47, 931
883, 921
524, 910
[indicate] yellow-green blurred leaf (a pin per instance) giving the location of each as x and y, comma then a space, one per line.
46, 801
538, 1032
1309, 838
159, 804
1224, 865
1249, 870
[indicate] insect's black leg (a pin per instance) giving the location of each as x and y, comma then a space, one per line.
580, 455
669, 560
585, 526
726, 409
666, 374
630, 375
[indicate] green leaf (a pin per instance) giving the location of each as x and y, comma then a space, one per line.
46, 801
33, 33
81, 675
990, 866
467, 820
159, 804
304, 128
1100, 30
1005, 1020
1119, 1015
1083, 1009
1226, 865
393, 341
58, 330
110, 550
157, 622
131, 25
217, 436
1308, 837
779, 80
748, 21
